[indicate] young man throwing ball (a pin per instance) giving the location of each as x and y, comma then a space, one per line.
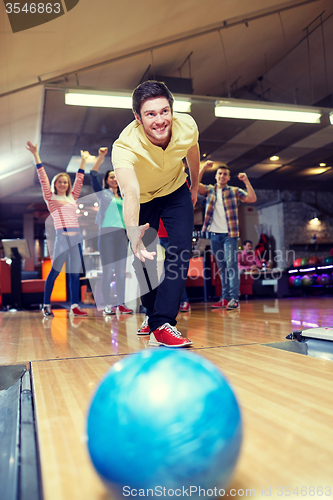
147, 159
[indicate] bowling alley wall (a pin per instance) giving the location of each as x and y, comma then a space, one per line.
300, 222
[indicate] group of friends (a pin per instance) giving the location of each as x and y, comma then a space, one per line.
148, 187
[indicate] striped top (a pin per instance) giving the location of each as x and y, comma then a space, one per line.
62, 208
230, 196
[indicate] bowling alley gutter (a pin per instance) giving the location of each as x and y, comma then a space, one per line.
20, 475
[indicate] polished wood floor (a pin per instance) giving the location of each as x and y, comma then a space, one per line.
286, 398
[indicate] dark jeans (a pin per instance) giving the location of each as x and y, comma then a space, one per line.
112, 245
176, 211
164, 243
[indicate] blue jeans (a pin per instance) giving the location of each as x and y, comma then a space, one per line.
112, 245
66, 246
176, 211
225, 251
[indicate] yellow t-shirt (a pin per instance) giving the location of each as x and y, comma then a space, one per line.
159, 172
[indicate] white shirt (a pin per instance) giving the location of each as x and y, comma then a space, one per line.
219, 222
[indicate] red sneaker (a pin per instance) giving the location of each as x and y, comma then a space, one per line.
168, 336
184, 307
144, 328
124, 310
77, 311
221, 304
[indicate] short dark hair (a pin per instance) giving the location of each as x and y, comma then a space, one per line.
150, 90
223, 167
247, 241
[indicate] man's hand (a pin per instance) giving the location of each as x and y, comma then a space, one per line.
208, 164
251, 195
194, 195
243, 177
254, 266
135, 234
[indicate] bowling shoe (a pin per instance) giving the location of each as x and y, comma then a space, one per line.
233, 304
77, 311
124, 310
109, 311
185, 307
221, 304
47, 311
168, 336
144, 328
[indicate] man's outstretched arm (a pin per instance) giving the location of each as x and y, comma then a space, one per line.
193, 161
130, 190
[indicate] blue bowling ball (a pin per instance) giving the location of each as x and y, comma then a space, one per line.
166, 421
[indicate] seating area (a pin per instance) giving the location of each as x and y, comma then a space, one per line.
204, 275
246, 281
29, 292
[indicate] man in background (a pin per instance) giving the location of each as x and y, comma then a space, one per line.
247, 259
221, 220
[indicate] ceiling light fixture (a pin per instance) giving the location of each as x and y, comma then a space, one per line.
253, 110
274, 158
314, 170
98, 100
122, 100
315, 219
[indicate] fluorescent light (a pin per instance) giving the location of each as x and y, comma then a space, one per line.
182, 106
122, 100
98, 100
331, 118
14, 172
253, 110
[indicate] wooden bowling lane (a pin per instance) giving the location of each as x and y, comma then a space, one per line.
286, 403
62, 393
27, 336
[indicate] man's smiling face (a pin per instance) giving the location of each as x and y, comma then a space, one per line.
156, 119
222, 177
